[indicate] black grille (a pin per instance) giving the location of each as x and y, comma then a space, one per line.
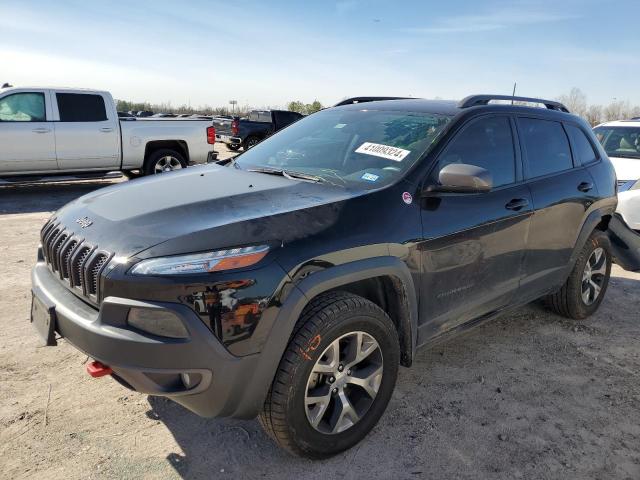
76, 262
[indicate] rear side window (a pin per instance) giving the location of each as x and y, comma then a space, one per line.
486, 143
583, 151
260, 116
22, 107
547, 146
81, 107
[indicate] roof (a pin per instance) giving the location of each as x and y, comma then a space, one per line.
59, 89
621, 123
448, 107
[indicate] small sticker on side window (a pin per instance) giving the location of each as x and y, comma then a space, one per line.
340, 125
384, 151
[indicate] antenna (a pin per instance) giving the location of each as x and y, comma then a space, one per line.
513, 94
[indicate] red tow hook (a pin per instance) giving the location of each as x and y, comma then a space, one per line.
97, 369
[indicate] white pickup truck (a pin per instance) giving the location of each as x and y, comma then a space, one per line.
53, 131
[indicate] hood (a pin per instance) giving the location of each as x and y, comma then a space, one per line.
626, 168
200, 208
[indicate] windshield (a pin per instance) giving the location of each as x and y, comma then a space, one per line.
620, 141
363, 148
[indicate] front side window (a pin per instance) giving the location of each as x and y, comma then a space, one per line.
23, 107
81, 107
486, 143
360, 148
547, 146
620, 141
583, 150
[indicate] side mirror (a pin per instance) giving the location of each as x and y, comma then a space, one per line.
463, 178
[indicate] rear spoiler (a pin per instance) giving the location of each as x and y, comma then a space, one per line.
352, 100
625, 244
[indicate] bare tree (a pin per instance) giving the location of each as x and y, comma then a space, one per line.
575, 101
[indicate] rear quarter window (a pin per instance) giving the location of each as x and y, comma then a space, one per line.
583, 151
81, 107
546, 145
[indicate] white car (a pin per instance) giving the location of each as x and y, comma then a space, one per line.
621, 141
45, 131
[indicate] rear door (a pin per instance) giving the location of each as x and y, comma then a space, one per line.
562, 191
26, 133
473, 251
87, 132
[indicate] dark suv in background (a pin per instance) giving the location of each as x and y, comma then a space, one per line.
293, 281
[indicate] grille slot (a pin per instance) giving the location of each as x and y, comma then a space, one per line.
65, 259
92, 273
77, 263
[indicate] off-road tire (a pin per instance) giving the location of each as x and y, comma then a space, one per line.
325, 319
568, 300
154, 157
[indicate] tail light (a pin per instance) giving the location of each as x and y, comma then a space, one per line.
235, 128
211, 135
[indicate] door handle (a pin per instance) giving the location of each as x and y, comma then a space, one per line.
517, 204
106, 130
41, 130
585, 186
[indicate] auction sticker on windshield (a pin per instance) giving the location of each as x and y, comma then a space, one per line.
384, 151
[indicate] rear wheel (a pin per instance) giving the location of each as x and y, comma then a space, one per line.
586, 286
163, 161
233, 146
250, 142
335, 378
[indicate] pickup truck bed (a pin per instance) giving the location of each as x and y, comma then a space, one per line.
258, 125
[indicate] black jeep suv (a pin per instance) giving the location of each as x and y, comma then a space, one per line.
293, 281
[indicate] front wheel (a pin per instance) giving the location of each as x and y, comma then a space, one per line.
584, 290
335, 379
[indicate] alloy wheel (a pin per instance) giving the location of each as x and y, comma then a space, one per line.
344, 383
593, 276
167, 164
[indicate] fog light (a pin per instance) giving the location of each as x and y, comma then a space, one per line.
157, 322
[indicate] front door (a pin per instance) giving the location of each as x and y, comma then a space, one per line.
474, 243
26, 134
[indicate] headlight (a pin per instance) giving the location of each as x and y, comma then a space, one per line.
201, 262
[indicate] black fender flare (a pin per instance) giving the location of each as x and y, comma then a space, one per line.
625, 244
588, 226
337, 276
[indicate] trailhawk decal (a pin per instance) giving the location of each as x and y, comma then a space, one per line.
384, 151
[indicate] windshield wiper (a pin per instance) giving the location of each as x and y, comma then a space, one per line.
288, 174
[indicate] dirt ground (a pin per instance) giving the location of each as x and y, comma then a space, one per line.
530, 395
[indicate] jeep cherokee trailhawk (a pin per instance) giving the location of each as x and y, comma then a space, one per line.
291, 282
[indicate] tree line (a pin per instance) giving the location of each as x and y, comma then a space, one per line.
576, 102
295, 106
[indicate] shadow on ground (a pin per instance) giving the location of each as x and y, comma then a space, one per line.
44, 197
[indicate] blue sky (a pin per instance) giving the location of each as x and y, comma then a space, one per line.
265, 53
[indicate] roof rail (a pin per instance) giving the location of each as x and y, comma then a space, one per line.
474, 100
352, 100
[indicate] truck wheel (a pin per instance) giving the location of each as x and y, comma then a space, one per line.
586, 286
162, 161
250, 142
335, 379
233, 146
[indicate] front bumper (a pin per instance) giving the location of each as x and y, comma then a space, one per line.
218, 383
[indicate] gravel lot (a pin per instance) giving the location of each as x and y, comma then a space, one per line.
530, 395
